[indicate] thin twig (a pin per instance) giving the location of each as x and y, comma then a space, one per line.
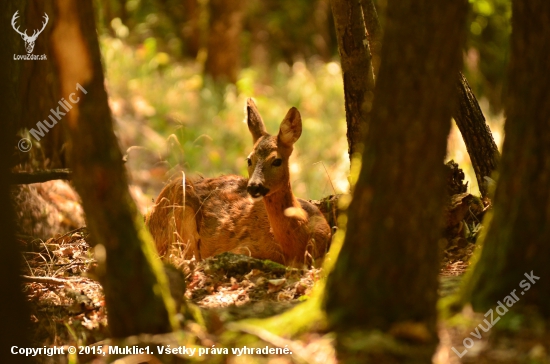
50, 280
328, 176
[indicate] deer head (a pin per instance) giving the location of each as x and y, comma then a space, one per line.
268, 163
29, 41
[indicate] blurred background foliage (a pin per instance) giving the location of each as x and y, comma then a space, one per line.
178, 73
488, 49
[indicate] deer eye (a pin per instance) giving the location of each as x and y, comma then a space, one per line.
249, 161
277, 162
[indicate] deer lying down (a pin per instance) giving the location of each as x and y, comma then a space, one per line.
258, 216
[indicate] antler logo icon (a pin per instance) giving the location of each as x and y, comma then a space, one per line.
29, 41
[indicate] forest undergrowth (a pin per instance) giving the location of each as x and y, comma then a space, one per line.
170, 118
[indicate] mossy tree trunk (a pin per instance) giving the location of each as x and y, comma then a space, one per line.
356, 69
386, 274
136, 291
224, 51
518, 237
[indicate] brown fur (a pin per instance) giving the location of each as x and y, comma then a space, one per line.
220, 215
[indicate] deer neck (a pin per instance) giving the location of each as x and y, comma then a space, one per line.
289, 231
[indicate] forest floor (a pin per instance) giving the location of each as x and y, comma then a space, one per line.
68, 306
235, 302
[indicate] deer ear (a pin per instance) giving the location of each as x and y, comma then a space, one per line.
254, 120
291, 127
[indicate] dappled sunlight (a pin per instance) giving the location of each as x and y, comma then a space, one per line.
160, 247
152, 92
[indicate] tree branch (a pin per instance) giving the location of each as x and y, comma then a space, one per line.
25, 178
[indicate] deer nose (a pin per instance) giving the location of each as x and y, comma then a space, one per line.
257, 189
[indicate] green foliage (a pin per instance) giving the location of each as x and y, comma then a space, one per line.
489, 34
265, 21
208, 120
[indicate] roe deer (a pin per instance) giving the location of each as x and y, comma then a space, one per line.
258, 216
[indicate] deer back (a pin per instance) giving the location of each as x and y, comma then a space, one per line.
220, 216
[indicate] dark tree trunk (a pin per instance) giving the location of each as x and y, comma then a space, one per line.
38, 88
476, 134
107, 16
184, 16
123, 12
323, 30
468, 115
14, 313
224, 51
386, 274
356, 70
191, 30
260, 43
136, 291
518, 237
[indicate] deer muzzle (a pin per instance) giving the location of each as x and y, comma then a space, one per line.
257, 189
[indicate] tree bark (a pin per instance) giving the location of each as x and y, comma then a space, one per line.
476, 133
356, 70
14, 312
39, 88
374, 33
385, 277
136, 290
224, 51
468, 116
517, 240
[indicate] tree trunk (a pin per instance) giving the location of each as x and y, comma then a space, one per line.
386, 274
476, 133
38, 88
322, 28
356, 70
184, 16
468, 115
517, 240
224, 51
191, 30
136, 290
123, 12
374, 33
14, 313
